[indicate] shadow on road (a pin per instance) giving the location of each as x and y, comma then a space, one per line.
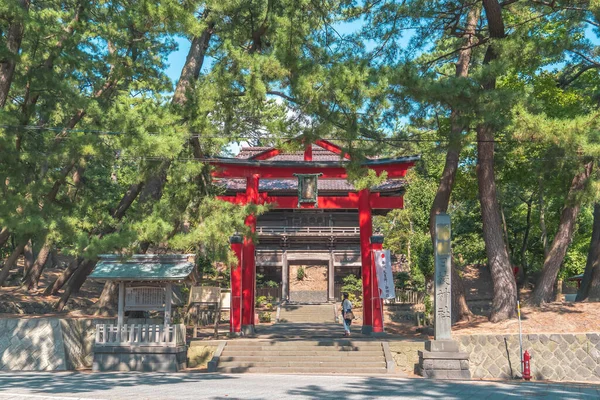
82, 382
367, 388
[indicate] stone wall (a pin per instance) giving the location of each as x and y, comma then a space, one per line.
556, 357
405, 354
46, 344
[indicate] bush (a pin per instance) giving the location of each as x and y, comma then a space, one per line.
264, 316
352, 284
300, 274
271, 284
260, 300
269, 306
428, 306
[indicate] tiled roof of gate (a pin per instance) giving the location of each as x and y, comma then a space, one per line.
332, 185
318, 154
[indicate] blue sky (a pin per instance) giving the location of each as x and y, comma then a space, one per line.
177, 58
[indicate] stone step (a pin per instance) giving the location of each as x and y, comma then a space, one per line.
290, 353
306, 348
340, 358
303, 370
303, 364
297, 345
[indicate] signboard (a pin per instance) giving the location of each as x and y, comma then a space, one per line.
385, 278
205, 294
308, 188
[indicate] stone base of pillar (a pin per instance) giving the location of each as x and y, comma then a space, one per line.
442, 360
366, 329
248, 330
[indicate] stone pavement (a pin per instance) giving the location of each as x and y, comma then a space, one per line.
73, 385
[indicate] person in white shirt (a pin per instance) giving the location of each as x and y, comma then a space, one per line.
347, 314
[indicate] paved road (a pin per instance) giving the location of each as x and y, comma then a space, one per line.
130, 386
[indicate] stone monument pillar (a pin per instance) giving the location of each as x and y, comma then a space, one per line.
441, 358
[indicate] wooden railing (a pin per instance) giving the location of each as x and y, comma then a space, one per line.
274, 292
407, 296
308, 230
140, 335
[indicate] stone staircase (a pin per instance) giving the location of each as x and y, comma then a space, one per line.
321, 356
307, 313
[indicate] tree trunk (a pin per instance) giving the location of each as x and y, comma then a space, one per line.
523, 252
53, 289
460, 308
28, 258
558, 292
558, 249
442, 197
32, 279
504, 303
594, 292
107, 303
153, 188
193, 63
4, 235
505, 232
11, 261
13, 37
75, 283
543, 221
593, 258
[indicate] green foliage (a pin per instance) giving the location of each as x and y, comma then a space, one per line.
352, 284
428, 305
261, 300
300, 273
90, 115
264, 316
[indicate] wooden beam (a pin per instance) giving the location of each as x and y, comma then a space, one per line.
331, 147
308, 152
168, 300
121, 310
265, 155
365, 222
324, 202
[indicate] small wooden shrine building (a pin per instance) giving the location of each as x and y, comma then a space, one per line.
145, 285
319, 222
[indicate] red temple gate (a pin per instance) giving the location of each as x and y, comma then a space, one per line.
329, 164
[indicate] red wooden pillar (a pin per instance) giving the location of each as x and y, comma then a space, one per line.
308, 152
235, 314
365, 224
249, 262
377, 303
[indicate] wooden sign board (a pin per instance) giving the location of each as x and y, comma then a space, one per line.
205, 294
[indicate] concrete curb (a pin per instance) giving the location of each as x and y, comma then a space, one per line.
214, 362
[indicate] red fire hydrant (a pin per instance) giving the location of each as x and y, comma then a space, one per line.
526, 366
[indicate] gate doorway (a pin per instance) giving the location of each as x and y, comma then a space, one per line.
308, 282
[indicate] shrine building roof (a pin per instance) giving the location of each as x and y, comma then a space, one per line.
144, 267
